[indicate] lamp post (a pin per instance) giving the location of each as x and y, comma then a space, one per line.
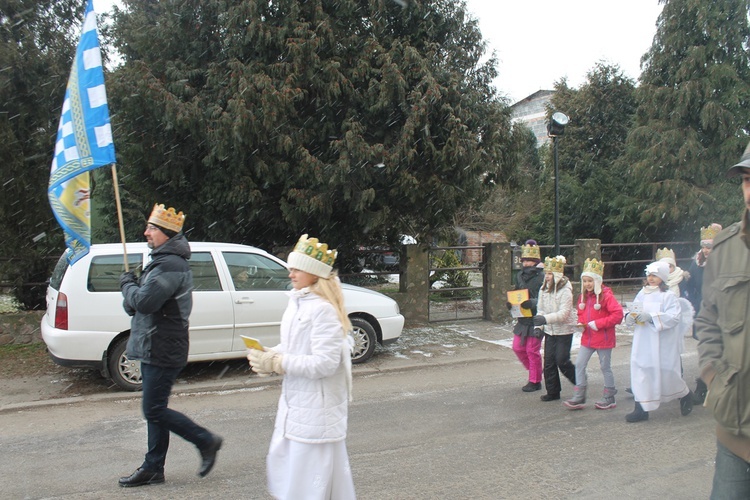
555, 128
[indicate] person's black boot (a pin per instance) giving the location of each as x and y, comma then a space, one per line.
686, 404
532, 386
699, 395
638, 415
208, 455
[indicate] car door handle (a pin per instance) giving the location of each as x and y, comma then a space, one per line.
244, 300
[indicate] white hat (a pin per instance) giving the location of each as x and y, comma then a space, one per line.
660, 269
312, 257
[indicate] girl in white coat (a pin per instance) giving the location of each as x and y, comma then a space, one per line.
655, 373
555, 313
307, 458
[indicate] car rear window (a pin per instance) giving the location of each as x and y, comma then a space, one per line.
55, 281
205, 276
105, 271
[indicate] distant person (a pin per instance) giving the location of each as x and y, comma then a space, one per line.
160, 304
557, 316
307, 458
724, 347
655, 366
527, 338
598, 313
677, 276
693, 290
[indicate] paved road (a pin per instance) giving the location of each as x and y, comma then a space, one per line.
444, 419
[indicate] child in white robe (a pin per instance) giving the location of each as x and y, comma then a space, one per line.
307, 457
655, 373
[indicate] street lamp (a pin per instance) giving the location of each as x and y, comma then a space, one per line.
555, 128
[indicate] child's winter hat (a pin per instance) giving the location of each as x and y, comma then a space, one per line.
556, 266
660, 269
530, 251
666, 255
593, 269
312, 257
709, 233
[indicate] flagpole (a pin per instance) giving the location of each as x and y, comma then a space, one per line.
119, 215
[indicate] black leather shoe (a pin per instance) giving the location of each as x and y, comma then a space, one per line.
208, 456
141, 477
550, 397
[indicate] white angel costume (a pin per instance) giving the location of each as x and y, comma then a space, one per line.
655, 369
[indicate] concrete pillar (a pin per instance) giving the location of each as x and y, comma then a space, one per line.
414, 285
585, 249
498, 279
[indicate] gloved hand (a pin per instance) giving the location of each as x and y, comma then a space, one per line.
539, 320
527, 304
126, 278
592, 325
265, 362
643, 317
629, 319
538, 333
509, 305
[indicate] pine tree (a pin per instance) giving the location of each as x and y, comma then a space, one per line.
354, 120
37, 46
601, 112
692, 121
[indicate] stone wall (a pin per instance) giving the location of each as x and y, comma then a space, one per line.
20, 328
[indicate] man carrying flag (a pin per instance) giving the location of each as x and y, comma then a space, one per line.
84, 141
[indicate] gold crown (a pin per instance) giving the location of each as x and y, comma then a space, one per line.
167, 218
530, 252
554, 264
664, 253
318, 251
593, 266
710, 232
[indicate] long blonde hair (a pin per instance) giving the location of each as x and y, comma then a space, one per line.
330, 289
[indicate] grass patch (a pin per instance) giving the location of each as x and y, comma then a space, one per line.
20, 360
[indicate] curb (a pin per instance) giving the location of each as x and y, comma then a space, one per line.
252, 383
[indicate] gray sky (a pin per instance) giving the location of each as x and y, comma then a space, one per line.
540, 41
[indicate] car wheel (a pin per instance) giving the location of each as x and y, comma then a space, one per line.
124, 372
365, 339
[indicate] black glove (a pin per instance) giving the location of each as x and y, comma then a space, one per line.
539, 320
126, 278
538, 333
509, 305
527, 304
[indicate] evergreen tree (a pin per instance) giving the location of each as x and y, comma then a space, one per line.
37, 46
601, 112
355, 120
692, 122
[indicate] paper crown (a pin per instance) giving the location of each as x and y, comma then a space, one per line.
710, 232
530, 252
167, 218
311, 256
554, 264
593, 266
666, 253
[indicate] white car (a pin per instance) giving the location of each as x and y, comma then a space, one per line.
238, 290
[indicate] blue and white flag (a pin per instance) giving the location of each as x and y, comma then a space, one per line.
84, 141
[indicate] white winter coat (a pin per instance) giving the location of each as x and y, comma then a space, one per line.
557, 308
313, 407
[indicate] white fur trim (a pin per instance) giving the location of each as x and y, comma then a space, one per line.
303, 262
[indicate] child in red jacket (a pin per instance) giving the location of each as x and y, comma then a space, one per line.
598, 313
